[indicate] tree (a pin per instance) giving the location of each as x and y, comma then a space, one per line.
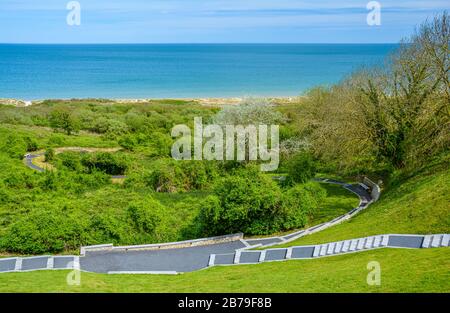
246, 202
63, 119
254, 111
301, 168
407, 106
250, 112
394, 117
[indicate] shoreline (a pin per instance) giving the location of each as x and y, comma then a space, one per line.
200, 100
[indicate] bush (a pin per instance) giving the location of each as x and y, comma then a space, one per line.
42, 231
167, 177
252, 203
15, 146
70, 160
31, 144
301, 168
145, 215
56, 140
49, 155
299, 205
113, 164
180, 176
161, 144
63, 119
128, 142
245, 203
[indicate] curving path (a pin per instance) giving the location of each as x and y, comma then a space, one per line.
191, 255
179, 260
29, 162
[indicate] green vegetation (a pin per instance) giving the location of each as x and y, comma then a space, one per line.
253, 203
74, 202
109, 163
402, 270
418, 205
63, 119
394, 117
301, 168
391, 124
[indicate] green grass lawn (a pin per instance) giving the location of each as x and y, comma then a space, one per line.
402, 270
419, 205
338, 202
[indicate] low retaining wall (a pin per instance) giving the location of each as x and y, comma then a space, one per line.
331, 249
375, 190
42, 262
168, 245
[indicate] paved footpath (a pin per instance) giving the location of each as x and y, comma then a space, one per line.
202, 253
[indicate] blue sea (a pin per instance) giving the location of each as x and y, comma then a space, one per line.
177, 70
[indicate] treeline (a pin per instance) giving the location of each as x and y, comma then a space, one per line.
387, 118
143, 127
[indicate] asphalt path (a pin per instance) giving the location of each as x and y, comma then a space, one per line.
178, 260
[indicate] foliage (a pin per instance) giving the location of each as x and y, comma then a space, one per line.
49, 155
143, 217
65, 120
253, 203
171, 176
113, 164
42, 231
396, 116
250, 111
301, 168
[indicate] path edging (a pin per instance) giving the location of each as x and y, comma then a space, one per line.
168, 245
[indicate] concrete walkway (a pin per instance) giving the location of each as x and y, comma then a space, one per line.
172, 261
194, 255
332, 248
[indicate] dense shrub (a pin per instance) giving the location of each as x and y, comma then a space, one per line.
301, 168
70, 160
178, 176
154, 144
31, 144
64, 119
145, 215
161, 144
46, 230
56, 140
166, 177
129, 142
113, 164
253, 203
16, 145
61, 227
49, 155
299, 205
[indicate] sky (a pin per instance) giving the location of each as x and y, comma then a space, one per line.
212, 21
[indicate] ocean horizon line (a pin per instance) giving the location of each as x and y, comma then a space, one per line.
203, 43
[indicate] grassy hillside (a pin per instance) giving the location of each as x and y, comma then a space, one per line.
418, 205
81, 206
402, 270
